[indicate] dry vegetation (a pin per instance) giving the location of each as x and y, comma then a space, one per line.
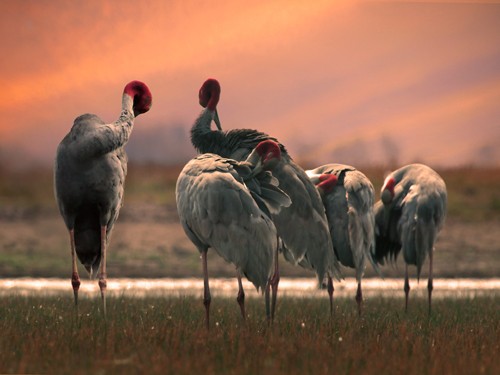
155, 335
167, 335
149, 242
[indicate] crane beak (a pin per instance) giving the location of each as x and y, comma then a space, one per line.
255, 160
258, 167
314, 177
217, 121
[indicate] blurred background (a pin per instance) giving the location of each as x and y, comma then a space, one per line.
375, 84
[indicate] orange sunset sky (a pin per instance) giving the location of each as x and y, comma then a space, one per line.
360, 82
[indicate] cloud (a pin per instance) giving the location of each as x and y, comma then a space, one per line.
317, 75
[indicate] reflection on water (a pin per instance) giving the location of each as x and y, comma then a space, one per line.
228, 287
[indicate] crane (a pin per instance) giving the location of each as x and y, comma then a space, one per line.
408, 217
302, 227
348, 196
226, 205
89, 173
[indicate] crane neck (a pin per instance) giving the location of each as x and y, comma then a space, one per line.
201, 129
127, 106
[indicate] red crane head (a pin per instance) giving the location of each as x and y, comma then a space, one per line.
265, 156
327, 182
387, 193
269, 152
209, 94
141, 94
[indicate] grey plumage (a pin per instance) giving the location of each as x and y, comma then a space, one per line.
89, 175
349, 209
303, 226
90, 170
225, 205
413, 218
217, 210
409, 216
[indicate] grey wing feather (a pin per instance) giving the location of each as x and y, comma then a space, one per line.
338, 220
218, 211
408, 227
89, 175
360, 198
422, 218
303, 226
331, 168
264, 187
411, 222
387, 239
275, 197
349, 210
91, 137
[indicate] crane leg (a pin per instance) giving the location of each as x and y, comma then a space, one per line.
241, 296
102, 274
75, 279
275, 280
268, 304
406, 288
359, 298
206, 289
429, 283
330, 290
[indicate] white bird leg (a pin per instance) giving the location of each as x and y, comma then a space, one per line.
406, 288
102, 274
206, 292
75, 279
330, 290
429, 283
241, 296
275, 280
359, 298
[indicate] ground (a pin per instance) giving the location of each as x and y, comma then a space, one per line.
148, 240
167, 334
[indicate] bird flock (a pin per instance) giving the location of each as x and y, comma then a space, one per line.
246, 198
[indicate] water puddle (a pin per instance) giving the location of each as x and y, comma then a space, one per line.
292, 287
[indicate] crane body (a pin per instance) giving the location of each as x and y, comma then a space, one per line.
302, 227
226, 205
89, 175
348, 197
408, 217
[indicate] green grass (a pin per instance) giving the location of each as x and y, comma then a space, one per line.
167, 335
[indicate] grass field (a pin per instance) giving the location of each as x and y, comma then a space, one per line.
167, 335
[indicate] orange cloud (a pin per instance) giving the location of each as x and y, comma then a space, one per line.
317, 75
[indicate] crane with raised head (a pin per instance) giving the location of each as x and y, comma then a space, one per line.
302, 227
89, 176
